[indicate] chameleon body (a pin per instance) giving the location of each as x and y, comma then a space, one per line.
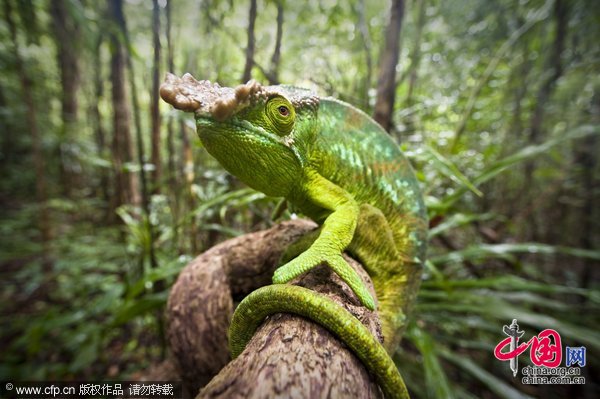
333, 163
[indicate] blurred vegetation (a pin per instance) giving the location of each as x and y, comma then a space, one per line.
496, 104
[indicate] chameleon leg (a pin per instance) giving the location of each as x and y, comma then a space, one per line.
393, 274
336, 234
299, 246
272, 299
338, 264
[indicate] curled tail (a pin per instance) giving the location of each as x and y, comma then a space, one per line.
284, 298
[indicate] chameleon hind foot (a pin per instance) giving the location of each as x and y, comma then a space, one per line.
313, 257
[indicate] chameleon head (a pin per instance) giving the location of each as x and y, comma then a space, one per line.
254, 131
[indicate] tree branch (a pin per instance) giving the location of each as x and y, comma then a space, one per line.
288, 355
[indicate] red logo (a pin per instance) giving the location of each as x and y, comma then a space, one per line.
545, 349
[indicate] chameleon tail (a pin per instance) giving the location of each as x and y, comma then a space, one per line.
281, 298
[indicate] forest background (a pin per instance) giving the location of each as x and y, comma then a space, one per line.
106, 193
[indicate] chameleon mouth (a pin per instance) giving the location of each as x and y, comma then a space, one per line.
207, 125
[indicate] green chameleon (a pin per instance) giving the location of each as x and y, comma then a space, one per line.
333, 163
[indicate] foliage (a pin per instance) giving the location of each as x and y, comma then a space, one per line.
514, 223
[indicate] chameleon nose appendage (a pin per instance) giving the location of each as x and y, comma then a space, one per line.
209, 99
182, 93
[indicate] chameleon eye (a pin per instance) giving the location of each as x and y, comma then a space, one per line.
283, 110
280, 115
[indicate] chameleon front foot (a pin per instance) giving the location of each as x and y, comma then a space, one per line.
311, 258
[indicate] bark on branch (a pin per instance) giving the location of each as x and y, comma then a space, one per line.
289, 356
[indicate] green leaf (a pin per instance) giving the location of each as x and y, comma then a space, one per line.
86, 354
227, 200
506, 251
505, 283
151, 276
523, 155
227, 231
566, 329
457, 220
241, 201
446, 167
436, 380
435, 272
139, 306
493, 307
494, 384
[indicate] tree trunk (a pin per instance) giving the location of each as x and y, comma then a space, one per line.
543, 95
174, 186
511, 192
519, 84
416, 56
288, 355
386, 87
188, 179
67, 32
250, 46
586, 158
170, 127
7, 139
414, 66
149, 251
276, 57
508, 45
556, 67
154, 110
99, 133
29, 20
363, 28
140, 152
125, 185
272, 73
186, 175
39, 163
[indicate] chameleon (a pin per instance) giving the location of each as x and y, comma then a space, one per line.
333, 163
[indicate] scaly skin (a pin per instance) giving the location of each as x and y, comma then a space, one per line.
336, 165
